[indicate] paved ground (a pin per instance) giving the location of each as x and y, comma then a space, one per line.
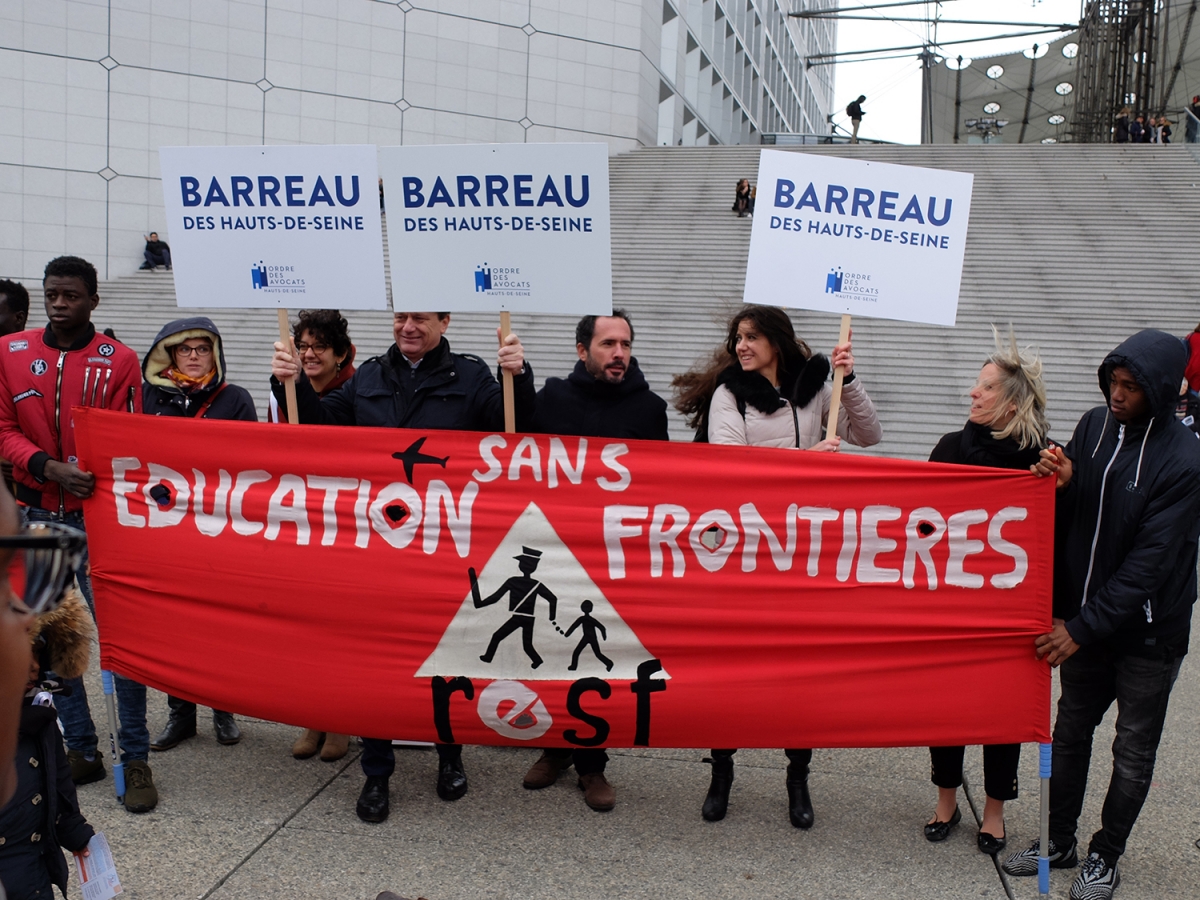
250, 822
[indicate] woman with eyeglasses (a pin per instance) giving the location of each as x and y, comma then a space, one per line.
322, 338
184, 376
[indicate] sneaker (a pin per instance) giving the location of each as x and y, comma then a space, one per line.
140, 793
1025, 862
84, 770
1096, 880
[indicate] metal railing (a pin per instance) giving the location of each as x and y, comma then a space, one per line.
797, 140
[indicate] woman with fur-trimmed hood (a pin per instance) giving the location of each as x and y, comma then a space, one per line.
184, 376
43, 815
766, 388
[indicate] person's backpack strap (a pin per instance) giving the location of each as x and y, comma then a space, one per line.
209, 402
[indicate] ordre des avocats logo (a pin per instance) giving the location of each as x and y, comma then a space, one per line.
276, 279
858, 284
502, 281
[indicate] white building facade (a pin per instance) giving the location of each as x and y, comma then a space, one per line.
90, 89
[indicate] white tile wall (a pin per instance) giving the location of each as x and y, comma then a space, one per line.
191, 72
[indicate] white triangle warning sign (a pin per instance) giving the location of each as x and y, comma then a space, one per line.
533, 613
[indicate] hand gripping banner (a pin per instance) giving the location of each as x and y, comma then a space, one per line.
501, 589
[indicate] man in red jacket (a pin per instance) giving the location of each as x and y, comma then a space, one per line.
44, 374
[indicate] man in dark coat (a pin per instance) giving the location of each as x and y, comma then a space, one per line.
1128, 518
605, 396
418, 383
184, 376
157, 253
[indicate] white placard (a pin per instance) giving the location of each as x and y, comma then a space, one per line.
274, 226
490, 227
853, 236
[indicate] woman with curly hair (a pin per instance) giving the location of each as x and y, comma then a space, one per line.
322, 338
766, 388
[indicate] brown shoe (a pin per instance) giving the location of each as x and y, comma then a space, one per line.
306, 745
597, 792
335, 747
545, 771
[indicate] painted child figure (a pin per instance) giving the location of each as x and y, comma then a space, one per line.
588, 627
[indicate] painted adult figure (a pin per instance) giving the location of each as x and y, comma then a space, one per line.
605, 396
1127, 522
523, 592
765, 388
322, 339
420, 384
184, 377
54, 369
1006, 429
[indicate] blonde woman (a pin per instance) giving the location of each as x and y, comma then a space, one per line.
1006, 429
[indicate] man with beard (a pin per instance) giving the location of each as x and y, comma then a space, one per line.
606, 396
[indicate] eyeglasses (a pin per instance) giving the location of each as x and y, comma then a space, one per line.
318, 349
185, 350
53, 552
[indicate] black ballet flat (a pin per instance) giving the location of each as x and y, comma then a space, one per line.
991, 845
936, 832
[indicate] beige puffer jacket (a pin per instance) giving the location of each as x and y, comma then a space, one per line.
857, 420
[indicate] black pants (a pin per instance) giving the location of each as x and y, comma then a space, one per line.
162, 258
379, 757
587, 760
1091, 680
795, 757
1000, 762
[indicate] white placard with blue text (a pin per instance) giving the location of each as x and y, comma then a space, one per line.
491, 227
274, 227
859, 237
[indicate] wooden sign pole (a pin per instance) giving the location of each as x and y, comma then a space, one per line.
506, 383
839, 374
289, 386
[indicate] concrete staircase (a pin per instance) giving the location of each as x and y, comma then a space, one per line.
1077, 246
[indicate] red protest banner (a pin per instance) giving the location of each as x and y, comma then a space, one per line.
498, 589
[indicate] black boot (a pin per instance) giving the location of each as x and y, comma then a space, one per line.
181, 725
373, 803
800, 809
452, 779
226, 728
717, 800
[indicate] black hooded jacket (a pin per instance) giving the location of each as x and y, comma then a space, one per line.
162, 397
584, 405
1128, 521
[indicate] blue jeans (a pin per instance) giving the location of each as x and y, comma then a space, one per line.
79, 731
1091, 680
